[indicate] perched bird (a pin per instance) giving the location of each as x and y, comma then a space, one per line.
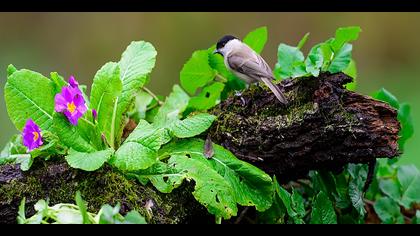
245, 63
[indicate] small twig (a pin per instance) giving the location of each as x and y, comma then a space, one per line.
153, 95
241, 216
151, 107
221, 78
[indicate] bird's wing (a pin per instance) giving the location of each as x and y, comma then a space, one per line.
254, 66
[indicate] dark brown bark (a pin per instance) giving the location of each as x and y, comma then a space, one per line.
323, 126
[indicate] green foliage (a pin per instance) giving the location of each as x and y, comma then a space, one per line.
197, 72
106, 89
29, 95
67, 213
88, 161
322, 210
256, 39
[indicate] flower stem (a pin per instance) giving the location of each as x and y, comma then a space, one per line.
221, 78
153, 95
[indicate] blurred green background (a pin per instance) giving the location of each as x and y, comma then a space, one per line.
387, 52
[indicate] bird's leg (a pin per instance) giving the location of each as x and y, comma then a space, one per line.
239, 94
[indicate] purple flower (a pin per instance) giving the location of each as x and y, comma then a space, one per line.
71, 102
94, 114
31, 135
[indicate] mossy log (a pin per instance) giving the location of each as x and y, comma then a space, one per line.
323, 126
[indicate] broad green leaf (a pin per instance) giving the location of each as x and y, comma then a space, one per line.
29, 94
88, 161
388, 211
251, 185
139, 151
133, 217
208, 97
290, 62
351, 71
142, 102
174, 105
407, 129
297, 204
391, 188
386, 96
106, 89
197, 72
409, 179
70, 135
322, 210
210, 189
82, 208
303, 41
341, 59
345, 35
109, 214
162, 175
136, 64
358, 173
256, 39
314, 60
192, 126
25, 161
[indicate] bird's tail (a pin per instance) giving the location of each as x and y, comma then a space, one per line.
275, 90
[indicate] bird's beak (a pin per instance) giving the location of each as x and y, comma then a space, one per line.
216, 51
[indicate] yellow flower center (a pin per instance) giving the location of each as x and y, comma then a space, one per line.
36, 136
71, 107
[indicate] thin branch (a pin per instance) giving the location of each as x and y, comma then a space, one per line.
241, 216
153, 95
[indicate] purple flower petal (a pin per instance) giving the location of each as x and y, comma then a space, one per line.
73, 82
31, 135
71, 102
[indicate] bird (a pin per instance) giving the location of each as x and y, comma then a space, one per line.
246, 64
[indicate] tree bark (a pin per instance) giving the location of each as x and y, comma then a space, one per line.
323, 126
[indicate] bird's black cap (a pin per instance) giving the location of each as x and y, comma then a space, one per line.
224, 40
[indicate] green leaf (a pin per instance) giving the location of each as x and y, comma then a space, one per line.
314, 60
58, 82
345, 35
323, 211
297, 204
109, 214
193, 125
71, 135
256, 39
409, 179
21, 218
197, 72
142, 102
341, 59
207, 98
174, 105
25, 161
303, 41
388, 211
106, 89
136, 64
391, 188
10, 70
88, 161
386, 96
210, 189
407, 129
358, 173
82, 208
29, 94
133, 217
251, 185
351, 71
290, 62
139, 151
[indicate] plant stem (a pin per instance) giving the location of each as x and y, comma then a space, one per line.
218, 220
153, 95
221, 78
